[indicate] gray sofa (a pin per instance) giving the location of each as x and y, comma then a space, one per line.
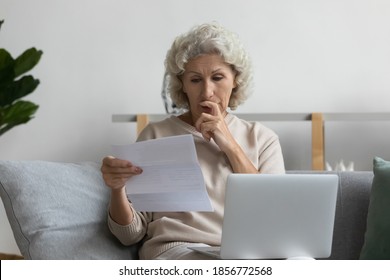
58, 211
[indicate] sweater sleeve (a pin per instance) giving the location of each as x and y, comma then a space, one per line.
271, 158
133, 232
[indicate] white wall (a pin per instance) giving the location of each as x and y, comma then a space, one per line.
105, 57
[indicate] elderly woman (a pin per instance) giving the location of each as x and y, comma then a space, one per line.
209, 71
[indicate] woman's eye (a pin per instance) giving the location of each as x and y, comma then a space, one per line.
217, 78
195, 80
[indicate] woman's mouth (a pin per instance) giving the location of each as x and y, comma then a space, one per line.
206, 109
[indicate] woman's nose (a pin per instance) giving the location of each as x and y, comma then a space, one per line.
208, 89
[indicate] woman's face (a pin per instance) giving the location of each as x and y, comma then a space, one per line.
206, 79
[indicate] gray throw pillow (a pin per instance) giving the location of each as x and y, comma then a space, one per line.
377, 238
59, 210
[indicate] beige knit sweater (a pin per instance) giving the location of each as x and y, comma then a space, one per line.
164, 230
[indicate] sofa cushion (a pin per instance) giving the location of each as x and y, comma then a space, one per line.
377, 237
351, 214
59, 210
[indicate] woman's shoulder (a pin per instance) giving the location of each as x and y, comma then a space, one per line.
164, 128
254, 127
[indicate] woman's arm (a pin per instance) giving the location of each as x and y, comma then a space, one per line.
115, 174
120, 209
213, 126
238, 159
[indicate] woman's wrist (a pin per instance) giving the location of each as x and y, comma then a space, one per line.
118, 191
120, 209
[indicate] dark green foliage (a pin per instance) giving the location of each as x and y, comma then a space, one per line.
14, 86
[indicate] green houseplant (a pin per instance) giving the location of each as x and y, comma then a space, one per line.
14, 86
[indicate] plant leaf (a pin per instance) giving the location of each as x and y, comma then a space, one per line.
26, 61
6, 67
17, 89
18, 113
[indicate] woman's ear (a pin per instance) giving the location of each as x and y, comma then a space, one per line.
235, 84
183, 89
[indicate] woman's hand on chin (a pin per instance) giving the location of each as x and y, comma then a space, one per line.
211, 124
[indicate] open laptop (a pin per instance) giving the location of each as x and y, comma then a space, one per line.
288, 216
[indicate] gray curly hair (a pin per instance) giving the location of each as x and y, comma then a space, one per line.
208, 39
